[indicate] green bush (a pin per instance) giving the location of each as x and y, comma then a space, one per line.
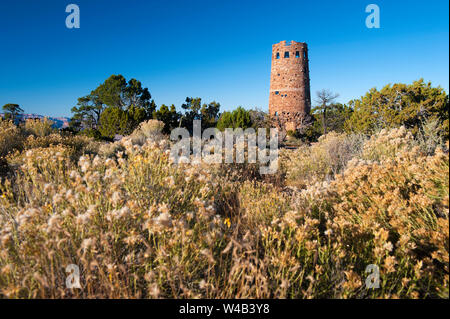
239, 118
399, 104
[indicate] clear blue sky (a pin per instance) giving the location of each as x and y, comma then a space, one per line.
217, 50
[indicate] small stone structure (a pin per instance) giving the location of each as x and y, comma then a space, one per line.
290, 96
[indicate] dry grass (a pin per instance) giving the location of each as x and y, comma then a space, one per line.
139, 226
10, 138
322, 160
38, 127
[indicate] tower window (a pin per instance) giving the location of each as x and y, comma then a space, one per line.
277, 92
276, 113
297, 54
304, 54
286, 54
278, 55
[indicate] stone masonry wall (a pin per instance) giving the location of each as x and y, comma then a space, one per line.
290, 95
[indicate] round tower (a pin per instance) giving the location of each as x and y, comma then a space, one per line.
290, 97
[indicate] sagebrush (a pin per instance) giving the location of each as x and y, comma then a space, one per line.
139, 226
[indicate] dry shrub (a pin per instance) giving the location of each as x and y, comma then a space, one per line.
322, 160
10, 138
151, 129
80, 144
386, 144
139, 226
430, 136
109, 150
260, 204
395, 215
39, 127
105, 216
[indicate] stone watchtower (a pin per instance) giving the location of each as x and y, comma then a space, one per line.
290, 96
